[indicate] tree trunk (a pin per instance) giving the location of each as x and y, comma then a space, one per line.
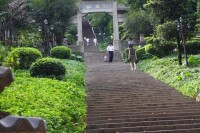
179, 51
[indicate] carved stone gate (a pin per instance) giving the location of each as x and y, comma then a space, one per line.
110, 7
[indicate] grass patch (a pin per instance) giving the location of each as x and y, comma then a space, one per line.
184, 79
61, 103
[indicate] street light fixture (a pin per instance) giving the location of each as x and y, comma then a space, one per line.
183, 31
46, 29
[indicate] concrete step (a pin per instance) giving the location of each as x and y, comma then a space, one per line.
147, 118
155, 128
143, 115
143, 123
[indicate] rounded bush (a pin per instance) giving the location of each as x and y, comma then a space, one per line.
48, 67
61, 52
22, 58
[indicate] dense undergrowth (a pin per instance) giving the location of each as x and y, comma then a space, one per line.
61, 103
184, 79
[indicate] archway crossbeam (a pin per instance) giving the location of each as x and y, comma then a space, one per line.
96, 6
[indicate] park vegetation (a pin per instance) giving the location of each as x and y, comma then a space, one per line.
167, 48
60, 97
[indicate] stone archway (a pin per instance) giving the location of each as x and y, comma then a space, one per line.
110, 7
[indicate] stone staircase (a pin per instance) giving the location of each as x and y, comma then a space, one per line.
92, 52
122, 101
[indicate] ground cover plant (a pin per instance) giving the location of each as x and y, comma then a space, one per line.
184, 79
60, 102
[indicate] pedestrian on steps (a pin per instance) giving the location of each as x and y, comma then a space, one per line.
132, 57
87, 41
95, 41
110, 50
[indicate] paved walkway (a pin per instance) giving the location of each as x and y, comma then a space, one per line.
120, 100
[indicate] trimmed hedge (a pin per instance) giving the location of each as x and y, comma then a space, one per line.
61, 52
22, 58
48, 67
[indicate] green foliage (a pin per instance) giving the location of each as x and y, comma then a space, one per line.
22, 58
159, 47
57, 12
192, 61
125, 55
101, 20
77, 56
70, 39
71, 34
152, 40
75, 72
149, 48
193, 46
103, 46
27, 38
48, 67
167, 31
60, 103
185, 80
138, 22
61, 52
3, 53
140, 52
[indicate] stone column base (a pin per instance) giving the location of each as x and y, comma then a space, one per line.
117, 45
18, 124
81, 44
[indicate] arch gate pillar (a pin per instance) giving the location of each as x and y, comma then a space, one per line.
80, 32
116, 40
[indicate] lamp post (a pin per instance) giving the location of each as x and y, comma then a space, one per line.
46, 31
183, 31
52, 35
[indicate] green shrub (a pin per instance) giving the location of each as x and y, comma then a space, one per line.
4, 50
61, 52
152, 40
125, 55
193, 61
77, 56
193, 46
103, 46
147, 56
48, 67
149, 48
140, 52
161, 49
22, 58
166, 48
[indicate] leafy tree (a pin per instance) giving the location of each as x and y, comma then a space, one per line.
56, 12
13, 16
101, 20
163, 11
137, 23
134, 4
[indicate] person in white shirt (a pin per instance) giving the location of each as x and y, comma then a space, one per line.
110, 50
87, 40
95, 41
